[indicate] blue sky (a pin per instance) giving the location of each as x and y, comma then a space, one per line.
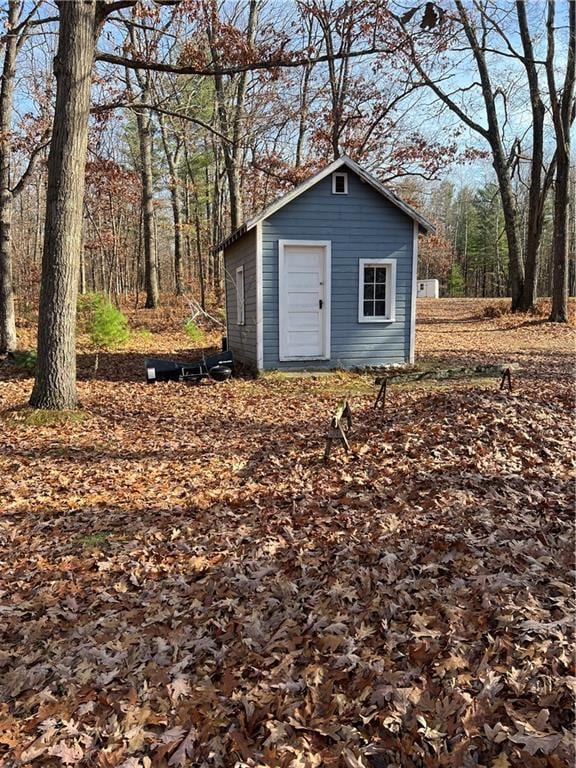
36, 56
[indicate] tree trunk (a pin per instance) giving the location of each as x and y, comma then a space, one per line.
538, 188
8, 338
559, 312
199, 257
177, 218
55, 385
172, 160
303, 109
144, 123
231, 116
563, 112
510, 215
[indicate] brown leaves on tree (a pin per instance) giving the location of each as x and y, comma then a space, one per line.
185, 583
432, 15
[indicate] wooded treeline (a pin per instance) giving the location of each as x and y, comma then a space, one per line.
199, 114
469, 253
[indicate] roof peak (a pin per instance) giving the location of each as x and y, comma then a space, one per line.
312, 181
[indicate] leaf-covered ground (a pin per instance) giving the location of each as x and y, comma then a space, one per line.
184, 583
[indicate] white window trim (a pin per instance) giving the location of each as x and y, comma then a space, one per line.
390, 264
345, 177
240, 297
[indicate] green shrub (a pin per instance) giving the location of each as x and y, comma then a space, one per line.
456, 281
144, 333
87, 302
195, 334
87, 305
108, 327
102, 321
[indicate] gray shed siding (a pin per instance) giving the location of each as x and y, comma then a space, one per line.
242, 338
361, 224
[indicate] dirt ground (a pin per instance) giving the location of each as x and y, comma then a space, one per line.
459, 328
184, 582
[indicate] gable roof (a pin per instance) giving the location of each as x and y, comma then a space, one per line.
343, 161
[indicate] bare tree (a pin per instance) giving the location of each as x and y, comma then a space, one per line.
563, 106
230, 107
17, 32
79, 27
476, 32
172, 153
145, 141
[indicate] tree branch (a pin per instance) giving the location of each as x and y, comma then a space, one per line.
284, 63
442, 95
105, 9
25, 22
17, 189
155, 108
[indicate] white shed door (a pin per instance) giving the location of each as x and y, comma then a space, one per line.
303, 301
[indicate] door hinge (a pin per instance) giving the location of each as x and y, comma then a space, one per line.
320, 304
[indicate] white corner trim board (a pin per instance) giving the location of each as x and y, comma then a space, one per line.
412, 348
259, 301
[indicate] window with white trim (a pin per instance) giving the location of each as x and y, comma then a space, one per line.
339, 183
240, 316
377, 291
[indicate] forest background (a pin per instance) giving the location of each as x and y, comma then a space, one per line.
231, 104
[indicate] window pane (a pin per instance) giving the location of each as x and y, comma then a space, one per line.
380, 274
380, 308
380, 291
368, 309
368, 292
368, 274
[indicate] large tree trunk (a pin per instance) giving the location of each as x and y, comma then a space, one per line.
55, 385
538, 184
8, 338
559, 312
510, 214
563, 113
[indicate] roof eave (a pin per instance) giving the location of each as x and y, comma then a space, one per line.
232, 237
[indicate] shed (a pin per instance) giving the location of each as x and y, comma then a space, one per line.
428, 289
325, 277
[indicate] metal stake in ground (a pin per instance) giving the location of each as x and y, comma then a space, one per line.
337, 431
506, 379
381, 392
